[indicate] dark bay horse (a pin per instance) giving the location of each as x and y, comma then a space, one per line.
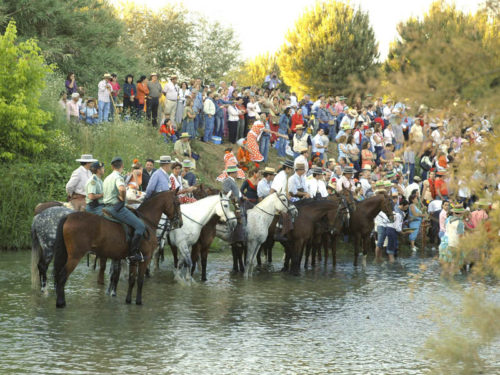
361, 221
311, 213
81, 232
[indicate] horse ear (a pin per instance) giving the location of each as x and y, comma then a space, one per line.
229, 194
177, 191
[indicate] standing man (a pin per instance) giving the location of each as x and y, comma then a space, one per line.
301, 140
160, 180
75, 188
318, 144
264, 185
209, 110
147, 172
94, 189
197, 109
171, 95
114, 199
153, 99
273, 81
104, 97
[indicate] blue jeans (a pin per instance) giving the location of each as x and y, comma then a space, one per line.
127, 217
381, 234
265, 141
188, 127
172, 137
198, 120
219, 123
392, 240
411, 167
94, 210
332, 132
209, 128
103, 110
281, 146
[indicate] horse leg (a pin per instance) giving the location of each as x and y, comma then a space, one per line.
42, 270
204, 256
254, 248
356, 249
259, 262
308, 254
71, 263
140, 282
286, 262
174, 254
195, 254
102, 269
235, 257
364, 245
296, 256
131, 281
334, 250
116, 266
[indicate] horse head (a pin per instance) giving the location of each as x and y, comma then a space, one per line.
172, 208
223, 210
387, 206
282, 205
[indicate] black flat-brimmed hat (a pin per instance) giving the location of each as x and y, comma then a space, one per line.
287, 163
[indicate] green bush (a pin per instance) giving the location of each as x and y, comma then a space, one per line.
22, 187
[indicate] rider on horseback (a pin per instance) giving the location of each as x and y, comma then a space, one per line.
114, 199
94, 189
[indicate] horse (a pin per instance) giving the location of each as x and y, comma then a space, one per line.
40, 207
311, 213
43, 237
81, 232
258, 221
196, 216
361, 221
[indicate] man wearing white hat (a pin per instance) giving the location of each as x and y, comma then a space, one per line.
171, 92
264, 185
302, 158
75, 188
160, 180
104, 97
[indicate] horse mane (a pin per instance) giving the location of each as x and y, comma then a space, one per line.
151, 200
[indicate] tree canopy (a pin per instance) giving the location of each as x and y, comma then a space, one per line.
22, 73
330, 42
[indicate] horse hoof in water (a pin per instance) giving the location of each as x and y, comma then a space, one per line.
128, 301
60, 305
138, 302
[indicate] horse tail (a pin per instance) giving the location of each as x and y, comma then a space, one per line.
36, 251
60, 253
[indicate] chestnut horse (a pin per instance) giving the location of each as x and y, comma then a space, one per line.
81, 232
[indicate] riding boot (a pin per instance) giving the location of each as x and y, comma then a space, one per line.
134, 254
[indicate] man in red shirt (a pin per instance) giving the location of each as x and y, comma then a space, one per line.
441, 186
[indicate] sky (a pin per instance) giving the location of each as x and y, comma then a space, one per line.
261, 25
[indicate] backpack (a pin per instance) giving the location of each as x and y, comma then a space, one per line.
425, 163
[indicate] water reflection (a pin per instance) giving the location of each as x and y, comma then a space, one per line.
345, 320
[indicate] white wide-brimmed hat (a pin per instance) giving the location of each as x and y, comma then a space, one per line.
164, 159
86, 158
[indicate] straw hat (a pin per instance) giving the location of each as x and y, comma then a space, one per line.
316, 170
397, 159
186, 163
299, 127
106, 75
303, 149
184, 135
300, 167
75, 95
348, 169
232, 169
164, 159
331, 185
417, 179
458, 210
367, 168
86, 158
483, 202
352, 112
154, 74
173, 76
269, 170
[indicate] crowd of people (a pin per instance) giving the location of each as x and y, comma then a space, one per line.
328, 148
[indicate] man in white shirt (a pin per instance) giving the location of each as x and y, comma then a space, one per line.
264, 185
318, 144
209, 110
315, 186
280, 182
349, 120
302, 158
387, 111
104, 97
75, 188
413, 186
297, 184
171, 92
346, 181
437, 135
365, 179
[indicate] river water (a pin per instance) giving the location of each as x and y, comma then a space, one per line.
342, 321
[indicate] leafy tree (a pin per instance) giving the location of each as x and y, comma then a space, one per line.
165, 37
446, 54
216, 51
82, 36
330, 42
22, 73
254, 71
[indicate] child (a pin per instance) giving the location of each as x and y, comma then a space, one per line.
168, 131
89, 113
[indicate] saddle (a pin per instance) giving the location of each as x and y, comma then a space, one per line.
129, 231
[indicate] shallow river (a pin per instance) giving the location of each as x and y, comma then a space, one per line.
342, 321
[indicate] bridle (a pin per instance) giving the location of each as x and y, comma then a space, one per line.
223, 211
287, 207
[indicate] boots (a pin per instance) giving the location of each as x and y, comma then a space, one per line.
134, 254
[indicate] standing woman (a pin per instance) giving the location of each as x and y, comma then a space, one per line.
249, 189
366, 155
184, 93
189, 116
378, 142
129, 92
233, 120
415, 220
275, 113
284, 129
353, 152
142, 93
71, 86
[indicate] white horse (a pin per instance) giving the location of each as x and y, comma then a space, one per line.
258, 221
194, 217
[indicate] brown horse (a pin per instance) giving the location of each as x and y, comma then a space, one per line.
361, 221
311, 213
81, 232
